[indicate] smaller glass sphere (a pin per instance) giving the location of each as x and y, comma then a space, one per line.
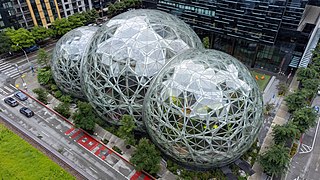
66, 59
203, 109
125, 54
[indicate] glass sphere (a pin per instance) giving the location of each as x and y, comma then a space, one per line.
125, 54
203, 109
66, 59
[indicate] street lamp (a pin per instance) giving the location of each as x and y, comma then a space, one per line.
24, 84
24, 52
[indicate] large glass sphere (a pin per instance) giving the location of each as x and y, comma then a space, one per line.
125, 54
203, 109
66, 59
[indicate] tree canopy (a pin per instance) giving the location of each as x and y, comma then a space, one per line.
307, 73
44, 76
61, 26
296, 100
85, 117
282, 133
5, 42
40, 33
20, 38
42, 57
304, 118
275, 160
146, 157
126, 129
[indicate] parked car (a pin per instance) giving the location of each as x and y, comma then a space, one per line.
20, 95
11, 102
32, 48
26, 111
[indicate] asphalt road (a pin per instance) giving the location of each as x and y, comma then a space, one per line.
306, 163
51, 129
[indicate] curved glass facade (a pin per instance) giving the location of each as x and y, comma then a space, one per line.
66, 59
203, 109
125, 54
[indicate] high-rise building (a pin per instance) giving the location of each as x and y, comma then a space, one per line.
28, 13
266, 34
43, 12
7, 14
69, 7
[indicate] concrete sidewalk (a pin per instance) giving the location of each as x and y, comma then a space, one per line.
32, 83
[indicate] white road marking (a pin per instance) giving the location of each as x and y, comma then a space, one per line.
9, 89
45, 133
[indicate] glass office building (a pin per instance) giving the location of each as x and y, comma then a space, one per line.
262, 34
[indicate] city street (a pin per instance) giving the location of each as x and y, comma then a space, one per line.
92, 157
305, 164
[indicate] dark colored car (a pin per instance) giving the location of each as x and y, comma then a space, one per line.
20, 96
26, 111
32, 48
12, 102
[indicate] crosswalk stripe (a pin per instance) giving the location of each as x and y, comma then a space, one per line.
7, 71
3, 63
5, 67
13, 86
9, 89
14, 74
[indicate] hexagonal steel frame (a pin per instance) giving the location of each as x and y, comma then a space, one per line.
66, 59
125, 54
203, 109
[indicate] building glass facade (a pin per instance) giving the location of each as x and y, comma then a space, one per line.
262, 34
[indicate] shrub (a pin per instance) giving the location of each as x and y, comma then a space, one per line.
58, 94
66, 98
53, 87
42, 95
63, 109
117, 149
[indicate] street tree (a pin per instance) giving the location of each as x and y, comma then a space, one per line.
275, 161
44, 76
61, 26
63, 109
42, 95
284, 133
304, 118
311, 84
307, 73
85, 117
5, 43
20, 38
92, 15
296, 100
146, 157
43, 57
77, 20
40, 33
126, 129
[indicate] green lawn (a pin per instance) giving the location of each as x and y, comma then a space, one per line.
262, 83
20, 160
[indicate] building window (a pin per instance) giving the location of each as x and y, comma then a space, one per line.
80, 9
79, 3
65, 1
67, 6
68, 13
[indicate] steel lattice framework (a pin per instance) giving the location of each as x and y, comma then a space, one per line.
125, 54
66, 59
203, 109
